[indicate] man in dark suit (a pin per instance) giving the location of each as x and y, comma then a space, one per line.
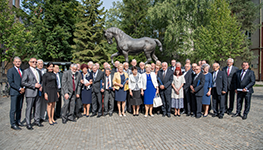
78, 104
108, 90
245, 80
142, 68
219, 89
197, 89
187, 91
166, 77
230, 71
71, 91
96, 91
59, 81
173, 65
31, 80
115, 67
14, 76
43, 102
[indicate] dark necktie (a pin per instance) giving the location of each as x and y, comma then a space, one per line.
242, 75
73, 81
164, 73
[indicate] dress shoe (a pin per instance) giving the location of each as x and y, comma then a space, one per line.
175, 115
205, 115
220, 117
84, 115
15, 127
51, 123
137, 114
214, 115
168, 115
244, 117
110, 114
105, 114
236, 115
87, 116
37, 124
99, 116
73, 120
55, 122
134, 115
29, 127
43, 120
188, 114
179, 115
197, 117
20, 124
163, 115
93, 114
64, 121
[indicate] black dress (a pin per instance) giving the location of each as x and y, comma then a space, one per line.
50, 86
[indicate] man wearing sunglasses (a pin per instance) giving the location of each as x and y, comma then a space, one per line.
31, 80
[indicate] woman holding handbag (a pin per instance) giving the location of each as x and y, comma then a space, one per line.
150, 87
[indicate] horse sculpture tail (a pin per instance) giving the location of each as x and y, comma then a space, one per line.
159, 44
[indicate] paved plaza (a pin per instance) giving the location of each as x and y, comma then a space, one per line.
139, 132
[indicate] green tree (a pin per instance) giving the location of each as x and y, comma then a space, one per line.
175, 21
222, 37
52, 24
88, 37
15, 39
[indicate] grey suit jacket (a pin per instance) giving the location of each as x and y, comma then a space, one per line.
67, 83
97, 81
28, 81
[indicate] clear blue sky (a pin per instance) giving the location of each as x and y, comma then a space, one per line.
108, 3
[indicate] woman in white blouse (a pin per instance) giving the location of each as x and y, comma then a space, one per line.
177, 91
150, 87
136, 90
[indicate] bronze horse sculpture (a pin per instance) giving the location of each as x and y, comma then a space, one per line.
127, 44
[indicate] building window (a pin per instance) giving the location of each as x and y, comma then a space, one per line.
14, 3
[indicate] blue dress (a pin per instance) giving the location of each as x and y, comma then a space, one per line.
86, 94
150, 91
120, 95
208, 84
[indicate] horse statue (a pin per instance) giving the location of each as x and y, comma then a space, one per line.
127, 44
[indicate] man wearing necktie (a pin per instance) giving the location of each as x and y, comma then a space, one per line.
14, 76
96, 91
31, 80
70, 90
245, 80
230, 71
219, 89
197, 90
108, 90
166, 77
59, 79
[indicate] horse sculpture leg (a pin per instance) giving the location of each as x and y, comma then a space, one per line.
125, 54
114, 55
148, 57
155, 58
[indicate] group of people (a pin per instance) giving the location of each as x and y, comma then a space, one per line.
85, 88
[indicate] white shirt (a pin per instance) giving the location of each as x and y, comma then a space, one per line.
243, 74
107, 81
214, 78
230, 68
58, 79
35, 72
19, 70
197, 75
185, 73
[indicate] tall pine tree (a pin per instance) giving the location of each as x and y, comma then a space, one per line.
88, 36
